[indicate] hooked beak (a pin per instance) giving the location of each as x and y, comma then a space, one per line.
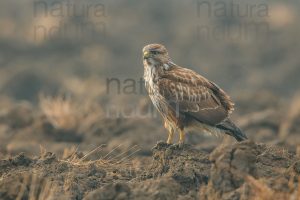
146, 55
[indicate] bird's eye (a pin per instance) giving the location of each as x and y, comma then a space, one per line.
155, 52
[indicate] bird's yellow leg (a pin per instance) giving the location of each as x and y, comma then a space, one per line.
181, 137
170, 137
171, 133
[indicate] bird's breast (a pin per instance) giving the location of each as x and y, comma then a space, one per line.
151, 77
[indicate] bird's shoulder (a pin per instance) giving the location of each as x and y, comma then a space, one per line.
186, 76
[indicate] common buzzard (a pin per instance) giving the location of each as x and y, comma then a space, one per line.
185, 99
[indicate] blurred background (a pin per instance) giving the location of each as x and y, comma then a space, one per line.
71, 69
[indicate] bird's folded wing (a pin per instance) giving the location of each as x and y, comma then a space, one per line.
193, 95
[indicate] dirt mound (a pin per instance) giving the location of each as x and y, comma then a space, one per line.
229, 172
48, 176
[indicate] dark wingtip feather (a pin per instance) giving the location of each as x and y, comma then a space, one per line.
231, 129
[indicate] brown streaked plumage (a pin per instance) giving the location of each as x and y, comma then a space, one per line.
185, 99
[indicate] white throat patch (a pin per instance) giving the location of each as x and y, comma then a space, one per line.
151, 62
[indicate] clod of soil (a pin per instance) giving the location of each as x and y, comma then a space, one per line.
229, 172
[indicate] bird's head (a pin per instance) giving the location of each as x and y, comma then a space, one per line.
155, 54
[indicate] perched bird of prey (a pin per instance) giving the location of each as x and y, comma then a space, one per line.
186, 100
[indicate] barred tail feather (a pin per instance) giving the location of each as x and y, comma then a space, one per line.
231, 129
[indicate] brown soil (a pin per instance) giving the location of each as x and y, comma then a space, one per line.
62, 160
229, 172
129, 167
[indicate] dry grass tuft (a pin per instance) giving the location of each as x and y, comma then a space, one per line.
61, 111
67, 113
73, 157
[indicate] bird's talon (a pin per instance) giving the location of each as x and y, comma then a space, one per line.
160, 144
177, 146
181, 145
